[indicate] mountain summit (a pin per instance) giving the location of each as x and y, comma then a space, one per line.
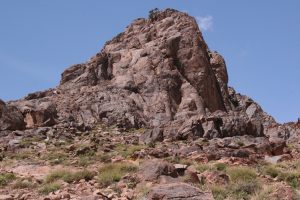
159, 77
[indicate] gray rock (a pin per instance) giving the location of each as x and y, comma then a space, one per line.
174, 191
151, 170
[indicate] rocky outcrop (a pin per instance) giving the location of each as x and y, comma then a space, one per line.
158, 74
10, 117
37, 112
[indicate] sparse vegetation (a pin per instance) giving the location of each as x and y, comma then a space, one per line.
23, 183
285, 172
56, 158
127, 151
244, 189
219, 192
202, 167
142, 192
241, 174
50, 187
85, 160
220, 166
28, 141
6, 178
110, 173
272, 171
69, 177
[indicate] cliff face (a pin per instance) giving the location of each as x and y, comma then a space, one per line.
158, 74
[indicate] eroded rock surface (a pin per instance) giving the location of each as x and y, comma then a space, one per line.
158, 74
178, 191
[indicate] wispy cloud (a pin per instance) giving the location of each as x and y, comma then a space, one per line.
205, 22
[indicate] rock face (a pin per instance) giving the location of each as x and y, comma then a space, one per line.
158, 74
10, 117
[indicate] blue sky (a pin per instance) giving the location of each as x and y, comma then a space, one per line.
260, 41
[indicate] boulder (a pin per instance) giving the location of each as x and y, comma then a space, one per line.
151, 170
10, 117
41, 114
174, 191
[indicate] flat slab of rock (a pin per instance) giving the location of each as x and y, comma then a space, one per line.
151, 170
178, 191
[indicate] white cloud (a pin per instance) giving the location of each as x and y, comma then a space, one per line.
205, 22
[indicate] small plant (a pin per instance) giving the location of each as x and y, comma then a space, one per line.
142, 192
113, 172
82, 175
264, 194
69, 177
105, 157
219, 192
22, 155
220, 166
6, 178
50, 187
28, 141
272, 171
56, 158
127, 151
85, 160
244, 189
202, 167
293, 179
23, 183
238, 174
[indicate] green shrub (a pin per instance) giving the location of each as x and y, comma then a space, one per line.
219, 192
86, 160
113, 172
56, 158
50, 187
238, 174
220, 166
244, 189
6, 178
272, 171
237, 190
127, 151
293, 179
105, 157
69, 177
263, 194
23, 183
202, 167
82, 175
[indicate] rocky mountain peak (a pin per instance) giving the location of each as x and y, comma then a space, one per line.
153, 111
158, 74
162, 64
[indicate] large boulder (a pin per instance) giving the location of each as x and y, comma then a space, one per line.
174, 191
37, 112
151, 170
10, 117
